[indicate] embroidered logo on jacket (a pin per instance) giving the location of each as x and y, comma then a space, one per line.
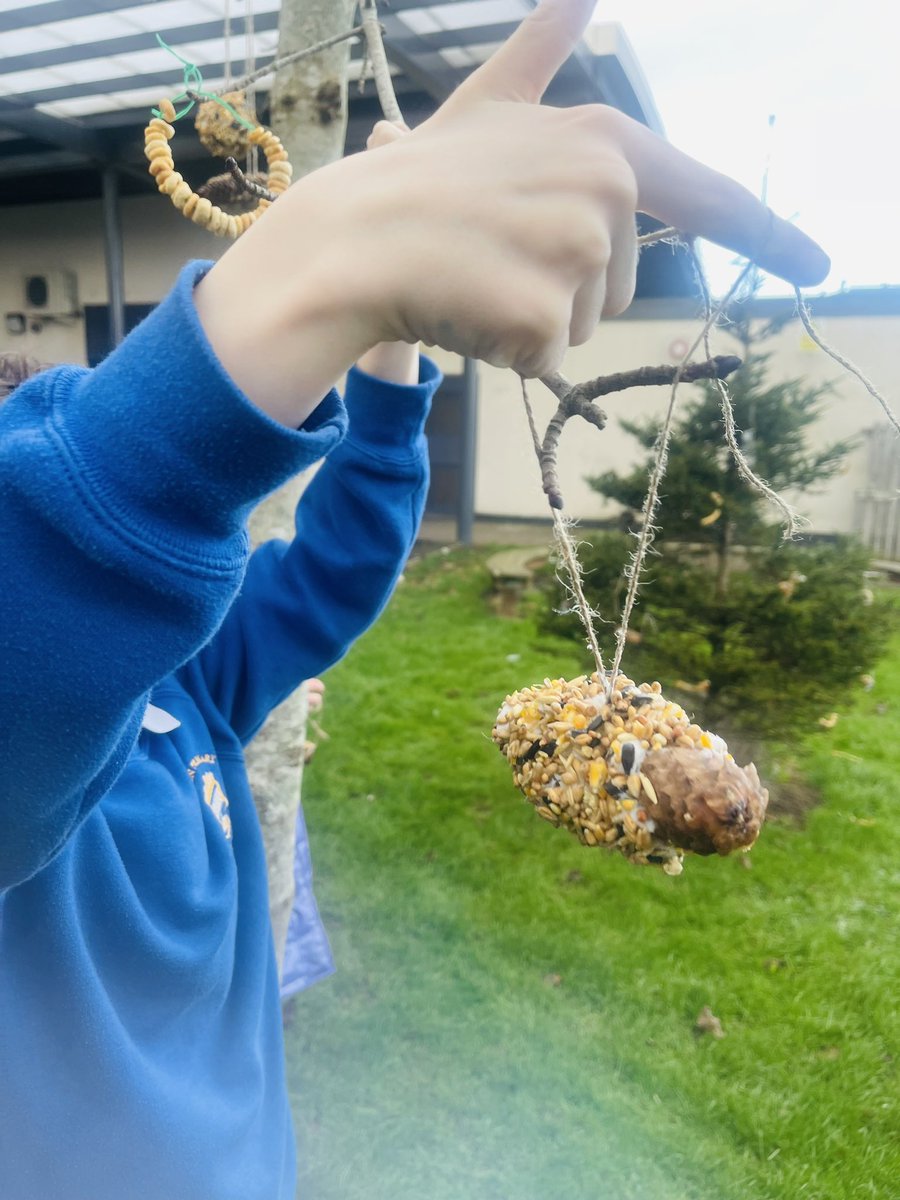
213, 792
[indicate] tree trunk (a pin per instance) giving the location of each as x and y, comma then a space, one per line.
309, 98
309, 114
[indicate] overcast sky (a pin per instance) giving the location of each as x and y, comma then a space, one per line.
828, 70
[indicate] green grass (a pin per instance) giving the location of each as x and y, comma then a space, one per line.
513, 1014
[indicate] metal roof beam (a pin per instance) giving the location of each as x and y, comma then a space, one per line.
133, 43
449, 39
395, 6
166, 81
32, 15
65, 135
438, 80
14, 166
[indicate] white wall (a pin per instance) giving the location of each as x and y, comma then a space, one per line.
33, 239
157, 241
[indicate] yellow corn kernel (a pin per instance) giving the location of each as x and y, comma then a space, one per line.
597, 773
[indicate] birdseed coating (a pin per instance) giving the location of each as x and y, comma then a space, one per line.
630, 772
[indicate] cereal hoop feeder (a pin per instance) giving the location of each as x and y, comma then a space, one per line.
200, 209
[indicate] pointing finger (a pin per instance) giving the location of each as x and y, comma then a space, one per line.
526, 63
698, 201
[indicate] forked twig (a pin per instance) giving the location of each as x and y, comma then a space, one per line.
576, 399
248, 185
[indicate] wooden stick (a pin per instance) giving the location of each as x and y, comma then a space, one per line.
248, 185
381, 71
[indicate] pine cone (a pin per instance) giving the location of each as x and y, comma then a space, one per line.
226, 192
219, 132
705, 803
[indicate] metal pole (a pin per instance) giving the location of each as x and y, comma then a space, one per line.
112, 243
466, 512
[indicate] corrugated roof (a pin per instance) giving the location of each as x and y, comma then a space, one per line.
77, 77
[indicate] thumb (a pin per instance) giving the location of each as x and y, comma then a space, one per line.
524, 66
384, 133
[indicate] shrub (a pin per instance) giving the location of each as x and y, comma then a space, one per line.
791, 632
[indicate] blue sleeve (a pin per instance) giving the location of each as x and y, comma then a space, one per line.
303, 603
124, 493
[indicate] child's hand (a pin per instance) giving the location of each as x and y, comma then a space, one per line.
499, 229
315, 694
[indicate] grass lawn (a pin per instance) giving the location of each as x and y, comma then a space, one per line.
513, 1014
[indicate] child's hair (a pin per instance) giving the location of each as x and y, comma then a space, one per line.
15, 369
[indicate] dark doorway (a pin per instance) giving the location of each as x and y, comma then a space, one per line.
96, 328
451, 445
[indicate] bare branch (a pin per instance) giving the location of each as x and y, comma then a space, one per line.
381, 71
576, 400
248, 185
720, 366
277, 63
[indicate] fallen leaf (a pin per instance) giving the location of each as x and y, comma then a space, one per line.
829, 1053
707, 1022
844, 754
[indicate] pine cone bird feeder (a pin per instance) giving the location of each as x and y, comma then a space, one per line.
629, 772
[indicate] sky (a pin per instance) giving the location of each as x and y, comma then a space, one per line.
829, 73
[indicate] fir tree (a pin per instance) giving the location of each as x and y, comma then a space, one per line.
705, 498
755, 625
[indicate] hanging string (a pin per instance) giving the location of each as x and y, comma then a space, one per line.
647, 533
252, 159
226, 31
792, 520
569, 556
804, 314
669, 234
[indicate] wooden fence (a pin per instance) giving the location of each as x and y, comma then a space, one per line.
877, 516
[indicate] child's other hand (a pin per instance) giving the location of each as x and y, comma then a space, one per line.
384, 133
396, 362
315, 694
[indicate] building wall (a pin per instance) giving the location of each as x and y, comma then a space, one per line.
157, 241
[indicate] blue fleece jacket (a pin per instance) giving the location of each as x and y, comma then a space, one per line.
140, 1031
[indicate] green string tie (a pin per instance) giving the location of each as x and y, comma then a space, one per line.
193, 90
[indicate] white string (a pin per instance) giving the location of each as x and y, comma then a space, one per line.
805, 317
651, 501
793, 521
569, 555
250, 69
227, 35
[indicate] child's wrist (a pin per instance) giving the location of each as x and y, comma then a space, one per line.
394, 362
